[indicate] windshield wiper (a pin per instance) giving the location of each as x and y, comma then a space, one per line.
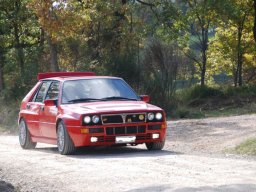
118, 98
83, 100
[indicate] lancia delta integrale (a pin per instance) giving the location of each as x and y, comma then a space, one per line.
74, 109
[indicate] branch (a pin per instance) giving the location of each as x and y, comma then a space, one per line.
145, 3
193, 59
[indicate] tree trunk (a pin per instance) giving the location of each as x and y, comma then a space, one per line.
1, 72
204, 50
254, 27
19, 50
239, 57
53, 55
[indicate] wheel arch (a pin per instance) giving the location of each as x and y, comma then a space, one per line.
57, 123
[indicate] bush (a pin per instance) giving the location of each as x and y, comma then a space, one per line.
199, 92
9, 114
240, 91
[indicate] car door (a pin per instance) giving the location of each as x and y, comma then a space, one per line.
48, 114
34, 108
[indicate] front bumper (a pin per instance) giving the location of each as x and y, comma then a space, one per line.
143, 133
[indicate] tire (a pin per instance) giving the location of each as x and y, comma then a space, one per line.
25, 137
155, 145
64, 142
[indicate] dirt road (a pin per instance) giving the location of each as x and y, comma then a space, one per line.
193, 160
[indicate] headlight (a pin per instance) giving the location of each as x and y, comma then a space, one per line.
159, 116
87, 119
151, 116
95, 119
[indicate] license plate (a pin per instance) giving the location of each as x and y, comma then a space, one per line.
125, 139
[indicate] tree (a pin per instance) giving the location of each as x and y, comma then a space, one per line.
231, 49
200, 16
235, 13
189, 22
161, 66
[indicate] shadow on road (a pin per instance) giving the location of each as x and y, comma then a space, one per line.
107, 152
6, 187
221, 188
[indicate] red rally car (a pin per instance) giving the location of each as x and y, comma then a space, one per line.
73, 109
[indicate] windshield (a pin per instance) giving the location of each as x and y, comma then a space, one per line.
87, 90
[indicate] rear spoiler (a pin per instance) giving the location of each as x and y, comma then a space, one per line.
63, 74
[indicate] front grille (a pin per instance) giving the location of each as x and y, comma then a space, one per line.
125, 130
96, 130
124, 118
154, 127
135, 118
108, 119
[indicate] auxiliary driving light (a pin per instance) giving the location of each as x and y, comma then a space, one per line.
151, 116
95, 119
94, 139
155, 136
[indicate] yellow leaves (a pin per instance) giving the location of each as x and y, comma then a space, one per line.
61, 20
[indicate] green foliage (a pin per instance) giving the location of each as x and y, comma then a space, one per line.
239, 91
199, 92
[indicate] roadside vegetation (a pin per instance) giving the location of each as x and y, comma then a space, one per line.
246, 148
200, 102
195, 102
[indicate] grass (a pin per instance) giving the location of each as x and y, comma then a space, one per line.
9, 115
230, 111
1, 129
246, 148
197, 113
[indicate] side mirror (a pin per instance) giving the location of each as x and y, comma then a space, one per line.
145, 98
50, 102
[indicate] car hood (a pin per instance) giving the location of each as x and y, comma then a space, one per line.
110, 107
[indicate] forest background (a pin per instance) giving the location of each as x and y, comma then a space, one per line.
195, 58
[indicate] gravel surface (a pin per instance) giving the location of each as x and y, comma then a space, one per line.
192, 160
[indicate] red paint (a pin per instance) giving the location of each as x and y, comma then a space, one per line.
42, 117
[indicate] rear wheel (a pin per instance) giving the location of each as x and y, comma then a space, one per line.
155, 145
24, 136
64, 142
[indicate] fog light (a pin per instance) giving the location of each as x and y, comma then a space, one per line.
155, 136
94, 139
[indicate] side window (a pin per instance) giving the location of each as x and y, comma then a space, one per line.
53, 91
42, 92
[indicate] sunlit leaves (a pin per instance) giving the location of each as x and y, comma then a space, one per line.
63, 19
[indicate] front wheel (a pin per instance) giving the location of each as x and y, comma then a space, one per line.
64, 142
24, 136
155, 145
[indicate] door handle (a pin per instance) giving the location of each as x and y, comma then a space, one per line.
27, 106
